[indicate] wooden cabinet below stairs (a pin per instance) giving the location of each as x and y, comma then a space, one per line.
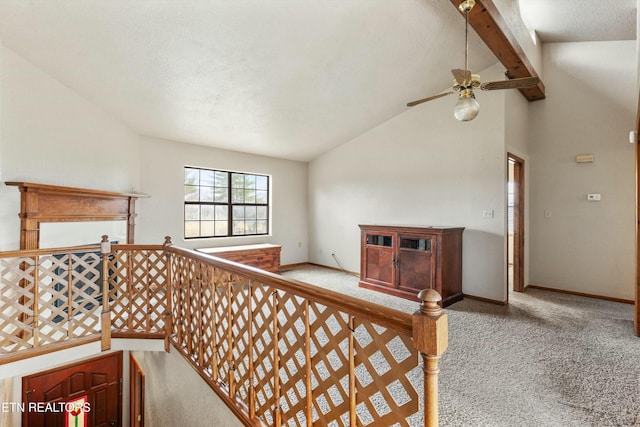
402, 261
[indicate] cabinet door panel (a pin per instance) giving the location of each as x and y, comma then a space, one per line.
379, 267
416, 262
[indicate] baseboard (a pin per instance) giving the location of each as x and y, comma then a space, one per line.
300, 264
334, 268
490, 301
579, 294
297, 264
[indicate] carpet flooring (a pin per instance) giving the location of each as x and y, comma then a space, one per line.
546, 359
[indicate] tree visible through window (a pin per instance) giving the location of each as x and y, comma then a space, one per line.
223, 203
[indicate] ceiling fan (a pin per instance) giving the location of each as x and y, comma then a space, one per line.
464, 82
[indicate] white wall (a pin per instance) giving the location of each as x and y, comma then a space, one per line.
420, 168
52, 135
175, 395
585, 246
162, 172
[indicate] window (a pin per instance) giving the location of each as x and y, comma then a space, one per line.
222, 203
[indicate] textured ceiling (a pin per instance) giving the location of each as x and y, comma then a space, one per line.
287, 78
580, 20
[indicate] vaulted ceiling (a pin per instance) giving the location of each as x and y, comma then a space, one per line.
288, 78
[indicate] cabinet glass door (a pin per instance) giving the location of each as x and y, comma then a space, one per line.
416, 263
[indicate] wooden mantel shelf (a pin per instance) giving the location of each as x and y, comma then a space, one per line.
52, 203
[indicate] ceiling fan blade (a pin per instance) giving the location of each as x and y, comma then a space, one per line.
431, 98
511, 84
462, 76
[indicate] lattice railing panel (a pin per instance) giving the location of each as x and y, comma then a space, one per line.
208, 362
178, 295
17, 281
49, 298
119, 296
240, 329
262, 302
292, 347
330, 332
290, 360
69, 296
138, 290
222, 299
384, 362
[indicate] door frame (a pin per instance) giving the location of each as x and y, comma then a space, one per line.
136, 392
518, 222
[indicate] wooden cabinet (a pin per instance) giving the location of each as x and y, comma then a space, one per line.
264, 256
402, 261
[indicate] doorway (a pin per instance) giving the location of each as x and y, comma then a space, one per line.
94, 382
515, 229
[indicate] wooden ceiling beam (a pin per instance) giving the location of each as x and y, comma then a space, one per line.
488, 23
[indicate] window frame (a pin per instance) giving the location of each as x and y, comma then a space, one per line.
230, 204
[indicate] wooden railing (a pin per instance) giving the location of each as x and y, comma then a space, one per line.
54, 299
278, 352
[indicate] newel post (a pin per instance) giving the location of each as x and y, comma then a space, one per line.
105, 251
430, 338
168, 317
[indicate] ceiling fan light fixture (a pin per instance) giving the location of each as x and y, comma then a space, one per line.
467, 108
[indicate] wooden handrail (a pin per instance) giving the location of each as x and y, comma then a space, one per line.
53, 251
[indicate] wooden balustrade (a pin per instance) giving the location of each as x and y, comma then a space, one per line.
279, 352
51, 299
285, 353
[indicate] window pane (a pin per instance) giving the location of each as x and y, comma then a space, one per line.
238, 228
261, 196
191, 229
191, 176
221, 179
249, 196
250, 212
206, 213
250, 227
222, 227
206, 194
238, 213
261, 182
206, 228
237, 195
222, 194
250, 181
237, 180
262, 227
262, 212
206, 178
222, 213
191, 193
192, 212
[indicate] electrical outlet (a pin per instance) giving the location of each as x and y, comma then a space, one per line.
547, 214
